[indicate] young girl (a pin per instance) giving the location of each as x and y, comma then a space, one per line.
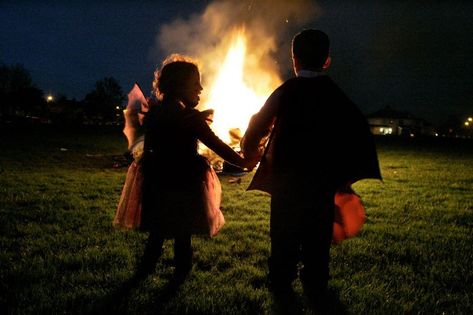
174, 173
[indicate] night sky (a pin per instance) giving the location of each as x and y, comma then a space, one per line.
410, 55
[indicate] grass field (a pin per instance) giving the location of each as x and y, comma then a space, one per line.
60, 253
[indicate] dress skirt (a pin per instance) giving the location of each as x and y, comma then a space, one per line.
183, 205
128, 213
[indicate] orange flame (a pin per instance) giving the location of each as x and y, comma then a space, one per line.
233, 100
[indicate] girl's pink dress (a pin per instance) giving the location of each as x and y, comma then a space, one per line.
128, 214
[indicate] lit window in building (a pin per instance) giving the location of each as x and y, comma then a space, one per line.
386, 130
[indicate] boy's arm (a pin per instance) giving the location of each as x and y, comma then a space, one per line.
260, 127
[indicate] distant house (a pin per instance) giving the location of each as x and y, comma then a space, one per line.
389, 121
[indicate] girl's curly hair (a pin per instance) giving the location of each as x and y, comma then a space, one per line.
174, 72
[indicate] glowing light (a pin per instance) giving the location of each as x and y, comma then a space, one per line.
49, 98
118, 107
467, 123
231, 97
470, 119
386, 130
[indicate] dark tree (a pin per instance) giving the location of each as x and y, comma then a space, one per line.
104, 103
19, 97
64, 111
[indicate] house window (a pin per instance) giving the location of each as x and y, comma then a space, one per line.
386, 130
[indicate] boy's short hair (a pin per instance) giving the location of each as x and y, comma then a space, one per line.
311, 48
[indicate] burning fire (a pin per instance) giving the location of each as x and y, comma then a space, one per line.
231, 95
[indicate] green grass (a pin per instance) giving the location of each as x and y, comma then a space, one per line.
60, 253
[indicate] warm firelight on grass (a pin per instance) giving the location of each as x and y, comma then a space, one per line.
231, 97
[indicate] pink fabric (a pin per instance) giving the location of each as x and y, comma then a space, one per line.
212, 201
128, 214
137, 105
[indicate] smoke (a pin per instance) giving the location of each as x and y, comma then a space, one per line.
269, 27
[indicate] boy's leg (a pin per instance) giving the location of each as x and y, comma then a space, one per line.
284, 244
282, 262
316, 242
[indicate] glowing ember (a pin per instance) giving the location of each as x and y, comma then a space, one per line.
233, 100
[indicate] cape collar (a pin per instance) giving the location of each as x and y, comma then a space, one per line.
308, 73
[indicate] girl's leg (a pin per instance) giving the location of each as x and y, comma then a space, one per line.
152, 252
183, 254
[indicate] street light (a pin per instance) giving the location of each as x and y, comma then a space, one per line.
49, 98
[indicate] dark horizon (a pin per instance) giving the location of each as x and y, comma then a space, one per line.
410, 56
